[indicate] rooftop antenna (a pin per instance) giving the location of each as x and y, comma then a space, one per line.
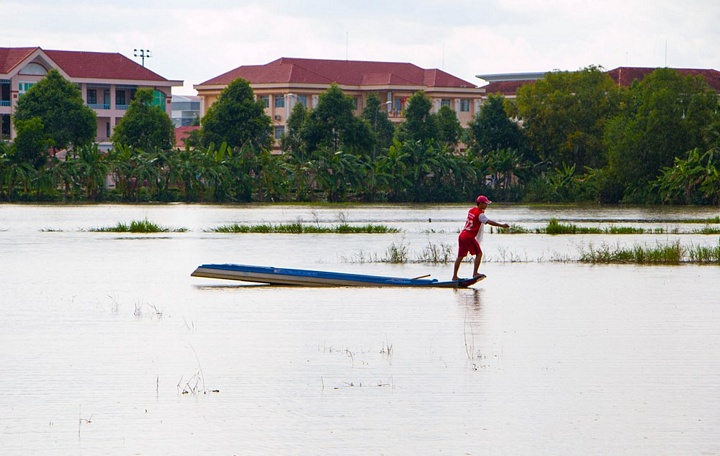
142, 53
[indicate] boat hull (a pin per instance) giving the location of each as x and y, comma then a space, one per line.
310, 278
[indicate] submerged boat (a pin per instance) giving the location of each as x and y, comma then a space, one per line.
309, 278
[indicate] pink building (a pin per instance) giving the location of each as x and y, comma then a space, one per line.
107, 81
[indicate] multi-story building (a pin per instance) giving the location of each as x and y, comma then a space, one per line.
286, 81
107, 81
185, 110
508, 84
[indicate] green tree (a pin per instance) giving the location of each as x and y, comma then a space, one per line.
291, 141
58, 103
492, 129
31, 143
419, 124
237, 118
333, 125
382, 127
145, 126
666, 116
564, 116
694, 180
90, 169
448, 127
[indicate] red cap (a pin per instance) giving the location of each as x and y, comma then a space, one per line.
483, 199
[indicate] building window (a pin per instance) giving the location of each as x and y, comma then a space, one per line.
302, 99
4, 92
445, 102
120, 99
279, 100
464, 105
265, 99
159, 99
24, 87
91, 96
279, 130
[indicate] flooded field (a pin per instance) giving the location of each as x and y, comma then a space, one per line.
108, 346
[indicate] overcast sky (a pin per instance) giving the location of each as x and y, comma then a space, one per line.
195, 40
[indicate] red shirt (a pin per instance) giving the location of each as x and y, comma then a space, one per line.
475, 218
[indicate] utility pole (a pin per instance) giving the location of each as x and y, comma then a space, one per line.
142, 53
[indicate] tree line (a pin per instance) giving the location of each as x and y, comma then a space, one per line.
569, 137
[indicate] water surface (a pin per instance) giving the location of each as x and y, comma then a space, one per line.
108, 346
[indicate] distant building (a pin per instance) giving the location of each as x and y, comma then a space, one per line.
509, 83
624, 76
185, 110
286, 81
183, 133
107, 81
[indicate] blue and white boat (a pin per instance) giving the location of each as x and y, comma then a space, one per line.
309, 278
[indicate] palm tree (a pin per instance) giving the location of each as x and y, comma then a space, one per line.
91, 169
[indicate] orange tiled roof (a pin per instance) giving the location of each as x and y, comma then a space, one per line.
345, 72
77, 64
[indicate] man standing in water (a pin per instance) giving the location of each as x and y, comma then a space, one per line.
471, 235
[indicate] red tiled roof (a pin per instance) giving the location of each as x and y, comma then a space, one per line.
344, 72
624, 76
505, 88
77, 64
101, 65
182, 133
10, 57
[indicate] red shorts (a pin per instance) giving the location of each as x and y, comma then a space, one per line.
468, 245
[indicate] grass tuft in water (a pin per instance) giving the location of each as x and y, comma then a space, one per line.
704, 254
299, 228
555, 227
137, 226
671, 253
397, 253
437, 254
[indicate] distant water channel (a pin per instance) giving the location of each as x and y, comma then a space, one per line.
108, 346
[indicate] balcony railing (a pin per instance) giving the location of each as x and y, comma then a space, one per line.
99, 105
4, 102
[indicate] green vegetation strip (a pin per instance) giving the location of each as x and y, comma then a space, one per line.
554, 227
137, 226
671, 253
299, 228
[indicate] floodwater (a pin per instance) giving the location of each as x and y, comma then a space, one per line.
108, 346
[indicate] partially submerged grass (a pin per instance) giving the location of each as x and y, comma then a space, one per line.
555, 227
710, 220
300, 228
437, 254
137, 226
668, 254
